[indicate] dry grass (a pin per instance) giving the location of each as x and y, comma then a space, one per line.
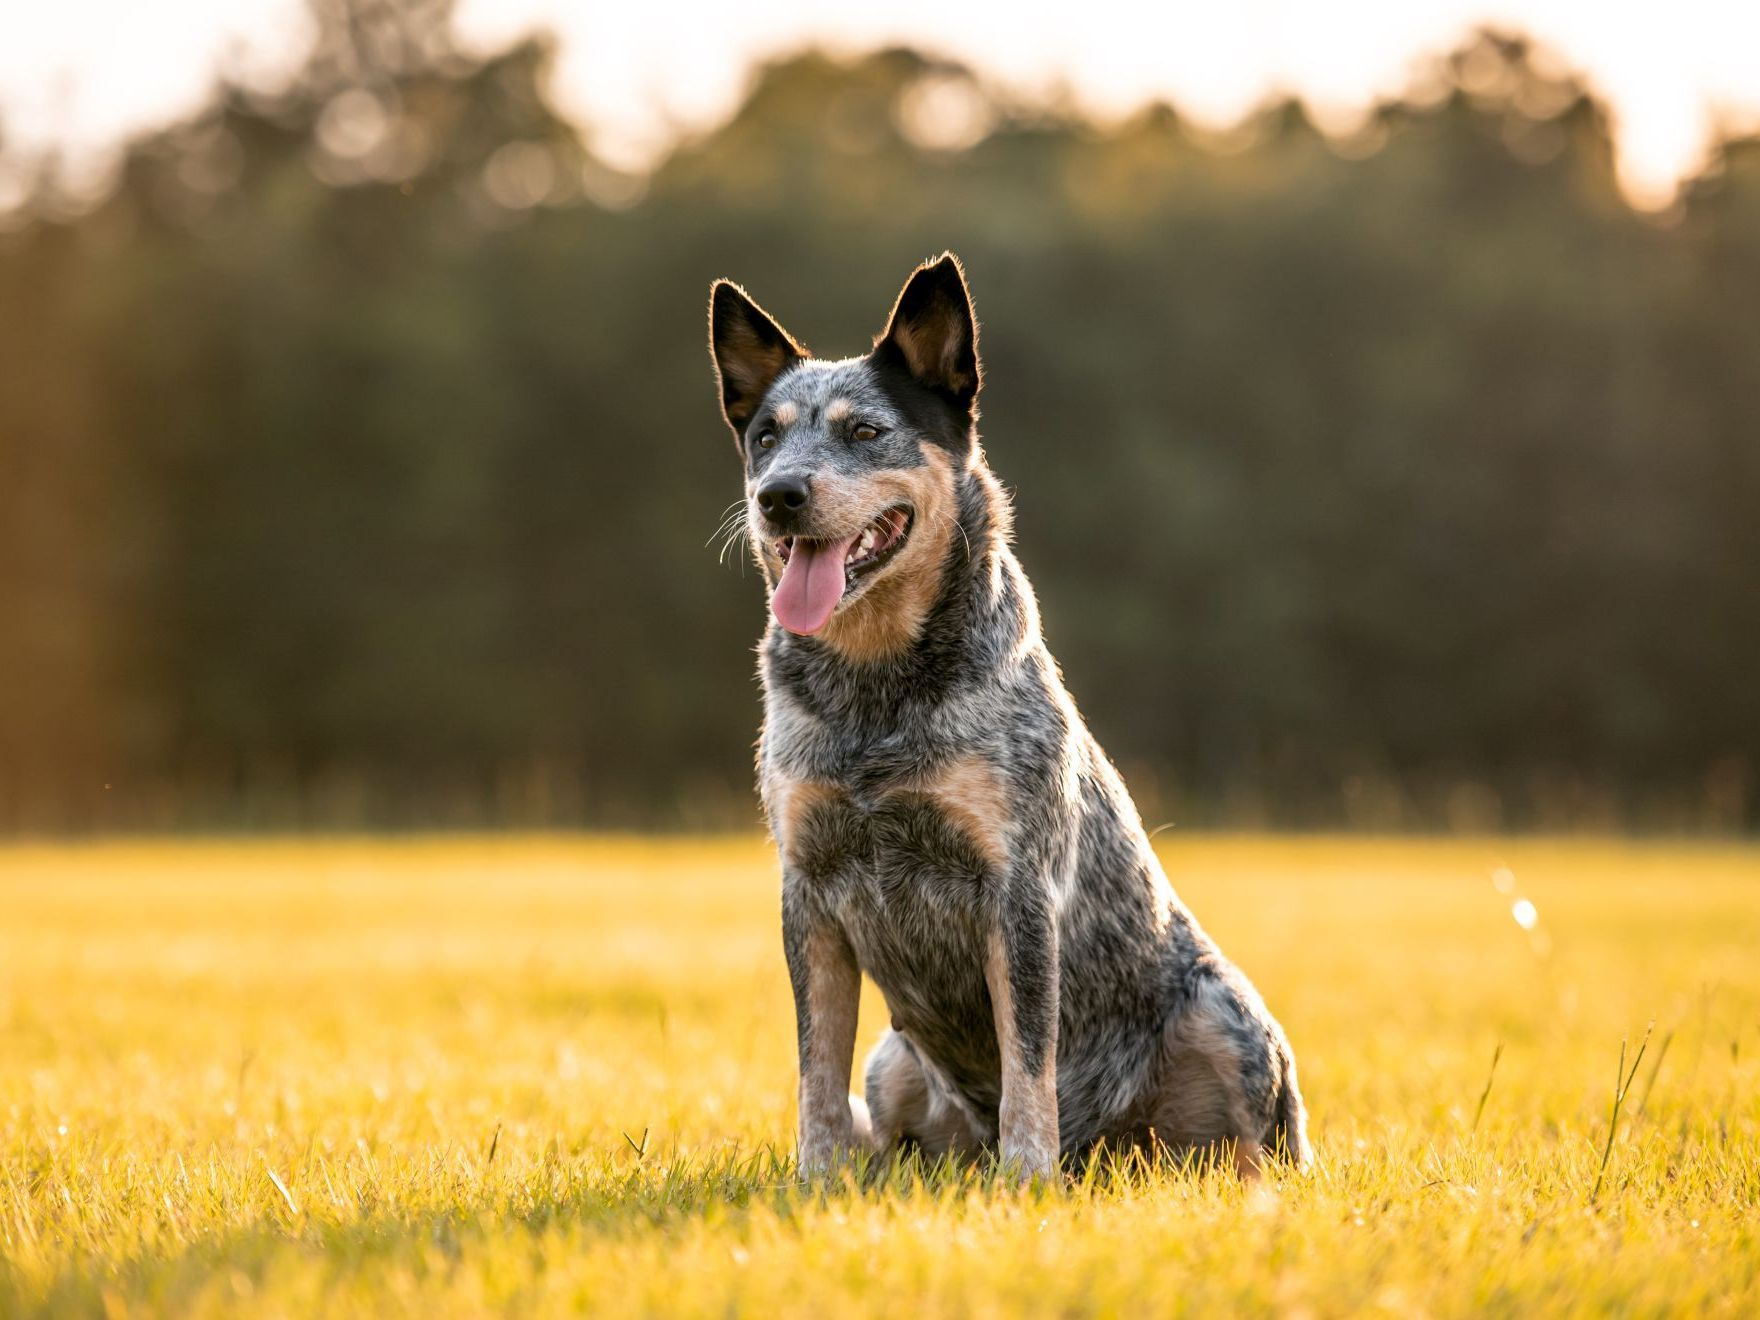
543, 1075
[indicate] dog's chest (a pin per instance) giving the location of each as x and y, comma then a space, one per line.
906, 867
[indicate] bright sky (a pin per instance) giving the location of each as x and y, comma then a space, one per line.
88, 72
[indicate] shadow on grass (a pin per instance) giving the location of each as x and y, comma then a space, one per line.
433, 1231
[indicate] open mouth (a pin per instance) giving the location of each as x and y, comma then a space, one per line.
816, 573
878, 542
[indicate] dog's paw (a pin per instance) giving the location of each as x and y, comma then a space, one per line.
822, 1159
845, 1145
1027, 1162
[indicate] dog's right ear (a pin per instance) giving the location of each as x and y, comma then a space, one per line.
750, 351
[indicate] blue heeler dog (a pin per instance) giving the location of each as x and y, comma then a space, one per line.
946, 822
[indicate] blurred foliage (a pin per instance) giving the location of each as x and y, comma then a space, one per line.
358, 451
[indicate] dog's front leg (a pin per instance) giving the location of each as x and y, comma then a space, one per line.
1021, 970
827, 991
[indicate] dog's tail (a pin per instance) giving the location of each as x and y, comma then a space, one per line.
1289, 1125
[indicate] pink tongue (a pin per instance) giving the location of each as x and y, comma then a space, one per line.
811, 586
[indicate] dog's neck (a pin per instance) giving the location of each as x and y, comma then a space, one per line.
980, 617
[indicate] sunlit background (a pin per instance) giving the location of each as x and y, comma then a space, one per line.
1377, 384
87, 73
1376, 381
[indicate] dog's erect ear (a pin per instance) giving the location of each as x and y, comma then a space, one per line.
933, 333
750, 351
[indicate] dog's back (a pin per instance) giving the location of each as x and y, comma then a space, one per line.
946, 822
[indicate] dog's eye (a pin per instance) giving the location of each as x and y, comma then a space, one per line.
866, 432
767, 439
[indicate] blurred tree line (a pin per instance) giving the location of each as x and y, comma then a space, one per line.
359, 454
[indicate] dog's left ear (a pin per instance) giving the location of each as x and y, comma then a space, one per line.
933, 333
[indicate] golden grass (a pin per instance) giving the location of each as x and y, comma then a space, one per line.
534, 1076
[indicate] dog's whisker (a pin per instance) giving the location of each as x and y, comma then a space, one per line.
735, 511
732, 525
734, 532
960, 527
731, 519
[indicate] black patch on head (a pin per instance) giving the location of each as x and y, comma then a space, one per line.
930, 412
750, 351
933, 336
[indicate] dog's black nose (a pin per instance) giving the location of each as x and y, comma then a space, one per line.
783, 499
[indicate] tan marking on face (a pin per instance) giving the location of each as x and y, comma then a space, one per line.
970, 792
787, 413
889, 614
839, 503
837, 410
1027, 1120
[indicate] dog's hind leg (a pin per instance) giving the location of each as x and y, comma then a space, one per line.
1228, 1085
909, 1104
862, 1124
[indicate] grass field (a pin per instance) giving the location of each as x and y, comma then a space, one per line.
535, 1076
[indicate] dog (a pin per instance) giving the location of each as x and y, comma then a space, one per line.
946, 823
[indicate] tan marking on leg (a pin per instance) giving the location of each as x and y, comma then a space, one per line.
837, 410
1027, 1123
971, 793
834, 987
889, 615
788, 802
787, 412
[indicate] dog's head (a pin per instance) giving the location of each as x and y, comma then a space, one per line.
851, 466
